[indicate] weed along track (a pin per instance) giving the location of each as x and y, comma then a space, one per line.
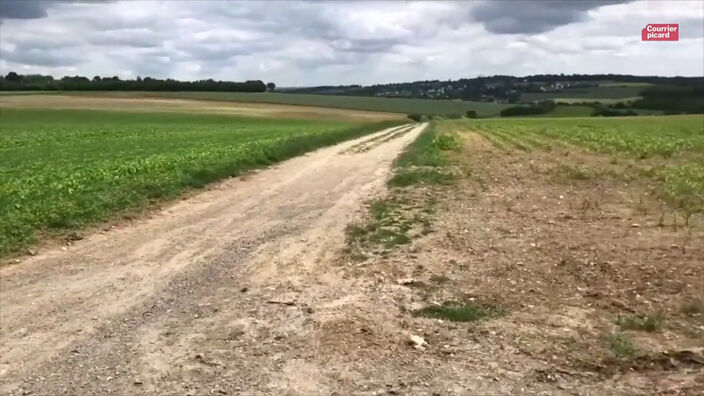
232, 288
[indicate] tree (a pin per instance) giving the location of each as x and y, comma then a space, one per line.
471, 114
415, 117
270, 86
33, 82
13, 77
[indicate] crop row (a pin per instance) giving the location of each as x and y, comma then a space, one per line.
674, 143
65, 169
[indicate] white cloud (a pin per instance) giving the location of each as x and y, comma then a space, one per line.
315, 43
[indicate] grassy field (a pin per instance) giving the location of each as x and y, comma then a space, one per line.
619, 92
670, 148
63, 169
154, 105
624, 84
393, 105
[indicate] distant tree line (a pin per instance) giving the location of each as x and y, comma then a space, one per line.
672, 99
538, 108
500, 88
617, 110
36, 82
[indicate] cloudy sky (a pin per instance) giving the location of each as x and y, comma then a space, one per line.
315, 43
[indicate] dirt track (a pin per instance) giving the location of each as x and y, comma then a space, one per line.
226, 291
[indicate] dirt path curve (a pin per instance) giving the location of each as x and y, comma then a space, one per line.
187, 300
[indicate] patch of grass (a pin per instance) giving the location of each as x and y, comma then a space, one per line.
382, 208
390, 238
574, 172
650, 322
426, 159
386, 235
356, 231
395, 220
446, 142
621, 345
459, 312
423, 152
387, 227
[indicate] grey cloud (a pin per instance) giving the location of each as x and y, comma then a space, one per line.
31, 9
220, 50
533, 16
37, 57
25, 41
23, 9
217, 52
294, 19
137, 38
692, 28
308, 43
34, 9
364, 45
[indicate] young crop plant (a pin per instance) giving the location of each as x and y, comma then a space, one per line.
459, 312
621, 345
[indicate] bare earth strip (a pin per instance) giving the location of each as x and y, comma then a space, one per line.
207, 296
98, 102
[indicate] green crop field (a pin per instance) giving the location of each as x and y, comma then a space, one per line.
393, 105
613, 93
624, 84
569, 111
669, 148
62, 169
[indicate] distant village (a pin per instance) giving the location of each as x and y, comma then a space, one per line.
497, 89
503, 91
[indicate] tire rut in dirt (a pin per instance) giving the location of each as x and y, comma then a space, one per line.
377, 140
